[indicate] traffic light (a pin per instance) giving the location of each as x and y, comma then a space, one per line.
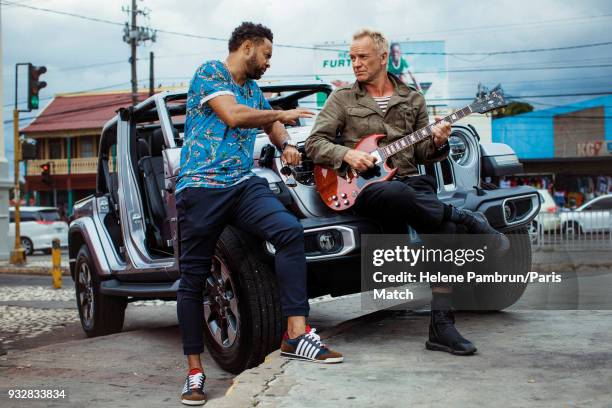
45, 172
34, 85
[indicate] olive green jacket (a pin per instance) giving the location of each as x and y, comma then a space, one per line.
350, 114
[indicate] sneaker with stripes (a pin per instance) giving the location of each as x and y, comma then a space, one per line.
309, 347
193, 390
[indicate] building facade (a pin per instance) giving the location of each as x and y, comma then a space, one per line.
567, 149
67, 134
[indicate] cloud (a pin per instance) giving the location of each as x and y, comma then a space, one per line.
61, 42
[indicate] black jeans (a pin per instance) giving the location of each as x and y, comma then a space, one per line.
411, 201
203, 213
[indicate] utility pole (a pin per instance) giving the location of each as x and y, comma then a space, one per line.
134, 36
133, 45
5, 182
151, 74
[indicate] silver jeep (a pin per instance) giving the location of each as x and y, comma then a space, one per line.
123, 243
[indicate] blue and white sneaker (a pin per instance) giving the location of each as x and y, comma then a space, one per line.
193, 390
309, 347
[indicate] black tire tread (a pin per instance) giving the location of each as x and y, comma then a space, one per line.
495, 297
255, 283
109, 311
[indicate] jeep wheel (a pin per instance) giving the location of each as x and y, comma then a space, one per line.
243, 320
100, 315
499, 296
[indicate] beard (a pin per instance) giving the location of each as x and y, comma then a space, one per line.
254, 71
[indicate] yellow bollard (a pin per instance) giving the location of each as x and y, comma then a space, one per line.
56, 259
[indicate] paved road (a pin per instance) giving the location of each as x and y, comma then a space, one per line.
526, 357
40, 328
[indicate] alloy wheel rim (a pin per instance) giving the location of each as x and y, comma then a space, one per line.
86, 298
221, 305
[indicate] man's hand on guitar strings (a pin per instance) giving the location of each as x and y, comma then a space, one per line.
358, 160
441, 132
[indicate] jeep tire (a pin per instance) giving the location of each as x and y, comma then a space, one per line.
499, 296
100, 314
243, 319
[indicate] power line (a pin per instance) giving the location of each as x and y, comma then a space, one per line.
459, 70
96, 65
77, 110
311, 48
572, 20
80, 110
63, 13
76, 92
529, 96
69, 111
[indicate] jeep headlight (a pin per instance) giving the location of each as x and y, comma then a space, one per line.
459, 148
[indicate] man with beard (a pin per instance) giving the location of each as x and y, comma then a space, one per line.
216, 187
380, 103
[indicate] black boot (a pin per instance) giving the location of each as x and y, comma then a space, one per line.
477, 223
443, 336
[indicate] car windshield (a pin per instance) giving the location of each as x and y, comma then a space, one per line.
49, 215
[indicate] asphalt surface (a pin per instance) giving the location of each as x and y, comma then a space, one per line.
526, 357
142, 366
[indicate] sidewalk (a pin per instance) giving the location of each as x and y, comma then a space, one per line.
35, 267
543, 261
527, 358
143, 366
569, 261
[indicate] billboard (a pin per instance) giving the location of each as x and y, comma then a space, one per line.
421, 64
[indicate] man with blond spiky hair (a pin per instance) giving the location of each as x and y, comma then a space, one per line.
380, 103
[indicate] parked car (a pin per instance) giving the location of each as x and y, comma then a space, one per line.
547, 219
593, 216
39, 226
123, 243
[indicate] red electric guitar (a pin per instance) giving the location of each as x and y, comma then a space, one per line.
340, 189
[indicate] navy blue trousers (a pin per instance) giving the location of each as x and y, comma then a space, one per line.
412, 201
203, 213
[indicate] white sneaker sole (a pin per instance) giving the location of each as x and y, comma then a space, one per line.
330, 360
191, 402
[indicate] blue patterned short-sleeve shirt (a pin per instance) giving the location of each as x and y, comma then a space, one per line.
213, 154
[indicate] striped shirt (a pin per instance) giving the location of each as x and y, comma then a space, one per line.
382, 102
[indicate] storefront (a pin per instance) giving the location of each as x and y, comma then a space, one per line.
566, 150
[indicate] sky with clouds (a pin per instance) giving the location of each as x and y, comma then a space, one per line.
82, 55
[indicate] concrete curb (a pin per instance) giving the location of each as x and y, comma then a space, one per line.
539, 267
31, 270
569, 266
248, 386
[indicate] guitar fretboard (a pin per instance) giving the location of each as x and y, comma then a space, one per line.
419, 135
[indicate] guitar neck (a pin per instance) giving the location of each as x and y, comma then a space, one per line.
421, 134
